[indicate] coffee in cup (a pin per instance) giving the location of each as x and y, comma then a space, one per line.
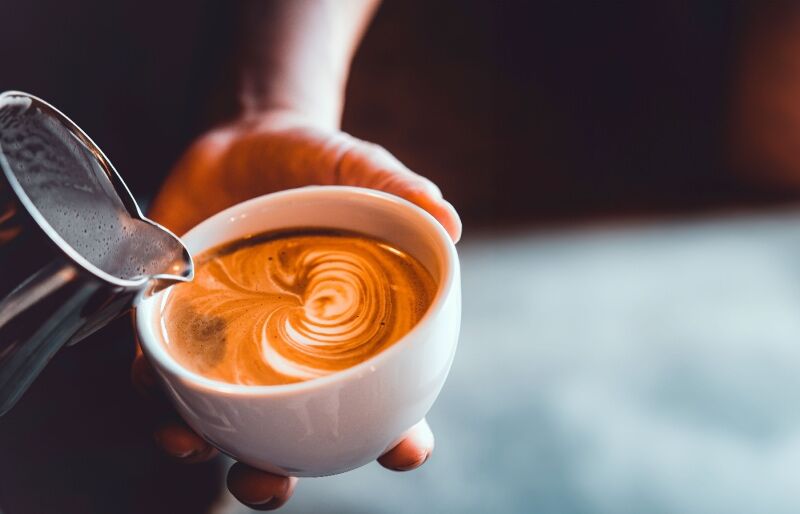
285, 307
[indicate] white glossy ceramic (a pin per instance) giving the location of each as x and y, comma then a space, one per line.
344, 420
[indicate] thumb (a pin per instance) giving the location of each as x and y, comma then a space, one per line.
369, 165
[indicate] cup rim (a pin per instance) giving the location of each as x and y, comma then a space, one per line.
156, 350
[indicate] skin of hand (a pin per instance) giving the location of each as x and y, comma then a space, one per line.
254, 156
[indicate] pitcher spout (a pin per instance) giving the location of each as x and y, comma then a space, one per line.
172, 263
75, 249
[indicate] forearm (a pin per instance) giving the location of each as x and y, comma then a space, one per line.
296, 55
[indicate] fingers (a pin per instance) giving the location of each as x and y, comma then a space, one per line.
368, 165
259, 490
441, 209
412, 452
172, 435
180, 442
142, 375
256, 489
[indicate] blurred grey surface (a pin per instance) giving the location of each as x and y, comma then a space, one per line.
621, 369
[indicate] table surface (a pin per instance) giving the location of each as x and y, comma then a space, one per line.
649, 368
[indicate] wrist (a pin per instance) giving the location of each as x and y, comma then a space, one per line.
318, 101
297, 53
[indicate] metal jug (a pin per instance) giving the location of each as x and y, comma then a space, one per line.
75, 249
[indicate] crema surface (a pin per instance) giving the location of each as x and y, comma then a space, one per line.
282, 308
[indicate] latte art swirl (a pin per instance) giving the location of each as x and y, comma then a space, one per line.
287, 308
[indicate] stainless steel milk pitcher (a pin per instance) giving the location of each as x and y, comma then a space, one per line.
75, 250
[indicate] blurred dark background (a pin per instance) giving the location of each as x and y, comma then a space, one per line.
519, 110
619, 349
542, 110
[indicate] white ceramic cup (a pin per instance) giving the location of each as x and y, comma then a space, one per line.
340, 421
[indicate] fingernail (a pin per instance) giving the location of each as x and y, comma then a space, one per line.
427, 456
181, 455
263, 501
415, 464
260, 505
185, 455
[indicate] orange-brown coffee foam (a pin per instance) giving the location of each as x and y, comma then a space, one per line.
294, 308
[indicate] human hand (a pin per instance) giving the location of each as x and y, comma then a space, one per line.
279, 150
